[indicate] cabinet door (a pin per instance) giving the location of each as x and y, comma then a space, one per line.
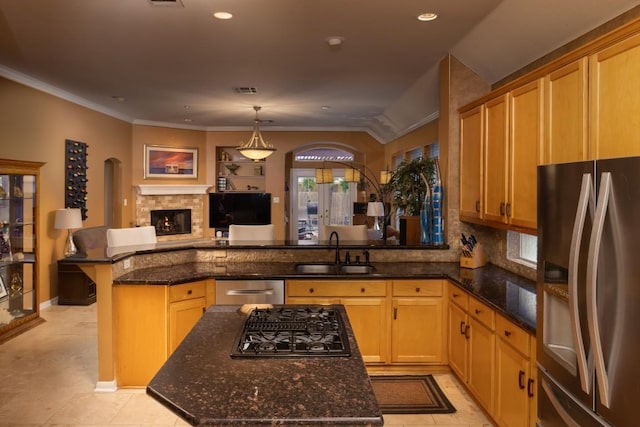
532, 384
565, 127
458, 348
481, 363
183, 315
524, 154
495, 160
512, 375
471, 137
368, 318
417, 330
614, 94
140, 332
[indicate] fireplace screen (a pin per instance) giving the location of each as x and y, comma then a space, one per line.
171, 221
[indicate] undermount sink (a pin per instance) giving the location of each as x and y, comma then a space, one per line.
334, 269
356, 269
316, 268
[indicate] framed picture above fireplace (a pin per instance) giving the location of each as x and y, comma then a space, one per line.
170, 162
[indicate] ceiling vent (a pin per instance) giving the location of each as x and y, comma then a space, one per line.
245, 90
177, 3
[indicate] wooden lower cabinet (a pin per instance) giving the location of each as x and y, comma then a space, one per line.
150, 321
418, 322
458, 341
394, 322
183, 315
494, 358
366, 305
515, 374
481, 377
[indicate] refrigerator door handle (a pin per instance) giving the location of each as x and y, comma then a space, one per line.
566, 417
604, 192
585, 206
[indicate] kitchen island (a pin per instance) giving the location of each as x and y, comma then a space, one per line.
205, 386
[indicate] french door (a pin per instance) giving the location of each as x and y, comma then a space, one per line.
314, 205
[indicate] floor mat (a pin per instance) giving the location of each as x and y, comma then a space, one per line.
410, 394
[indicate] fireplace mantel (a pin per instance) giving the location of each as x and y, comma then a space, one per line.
160, 190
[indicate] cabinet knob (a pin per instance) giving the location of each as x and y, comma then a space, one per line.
417, 289
311, 290
466, 331
478, 311
189, 292
462, 327
477, 205
455, 295
502, 208
362, 290
507, 333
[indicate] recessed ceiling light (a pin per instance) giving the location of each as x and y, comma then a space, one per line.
334, 40
427, 16
118, 98
325, 107
223, 15
188, 120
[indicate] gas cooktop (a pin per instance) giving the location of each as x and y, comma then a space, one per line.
293, 331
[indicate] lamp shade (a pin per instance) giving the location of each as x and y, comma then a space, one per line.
375, 209
385, 177
351, 175
68, 218
324, 176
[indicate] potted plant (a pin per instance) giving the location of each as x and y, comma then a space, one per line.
408, 189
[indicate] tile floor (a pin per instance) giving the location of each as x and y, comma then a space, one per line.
47, 376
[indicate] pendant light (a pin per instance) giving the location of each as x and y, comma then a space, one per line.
256, 148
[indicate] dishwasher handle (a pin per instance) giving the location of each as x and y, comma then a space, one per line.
249, 292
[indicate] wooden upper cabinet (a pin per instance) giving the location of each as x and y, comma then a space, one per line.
496, 133
471, 137
525, 145
566, 107
614, 112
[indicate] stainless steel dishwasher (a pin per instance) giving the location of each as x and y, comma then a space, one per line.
249, 291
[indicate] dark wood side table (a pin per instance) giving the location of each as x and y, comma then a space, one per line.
74, 287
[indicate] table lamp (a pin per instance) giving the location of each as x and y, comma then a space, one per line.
376, 210
69, 219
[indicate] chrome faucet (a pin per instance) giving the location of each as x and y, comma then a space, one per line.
333, 233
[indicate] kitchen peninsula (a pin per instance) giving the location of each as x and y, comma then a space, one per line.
170, 268
204, 385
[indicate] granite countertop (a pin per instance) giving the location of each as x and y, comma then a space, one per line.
206, 387
510, 294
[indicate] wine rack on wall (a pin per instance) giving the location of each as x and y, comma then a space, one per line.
76, 176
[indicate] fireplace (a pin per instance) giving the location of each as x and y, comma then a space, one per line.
171, 221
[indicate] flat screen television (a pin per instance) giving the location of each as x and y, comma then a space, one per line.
239, 208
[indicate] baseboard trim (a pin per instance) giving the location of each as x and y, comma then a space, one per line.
106, 387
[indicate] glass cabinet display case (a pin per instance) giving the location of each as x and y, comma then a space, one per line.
19, 304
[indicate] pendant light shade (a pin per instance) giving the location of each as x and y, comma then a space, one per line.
256, 148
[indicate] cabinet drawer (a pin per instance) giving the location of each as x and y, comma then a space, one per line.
518, 338
187, 291
458, 297
483, 313
417, 288
337, 288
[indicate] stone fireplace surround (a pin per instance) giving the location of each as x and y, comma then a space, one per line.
155, 197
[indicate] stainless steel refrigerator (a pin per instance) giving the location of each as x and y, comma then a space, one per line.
588, 293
